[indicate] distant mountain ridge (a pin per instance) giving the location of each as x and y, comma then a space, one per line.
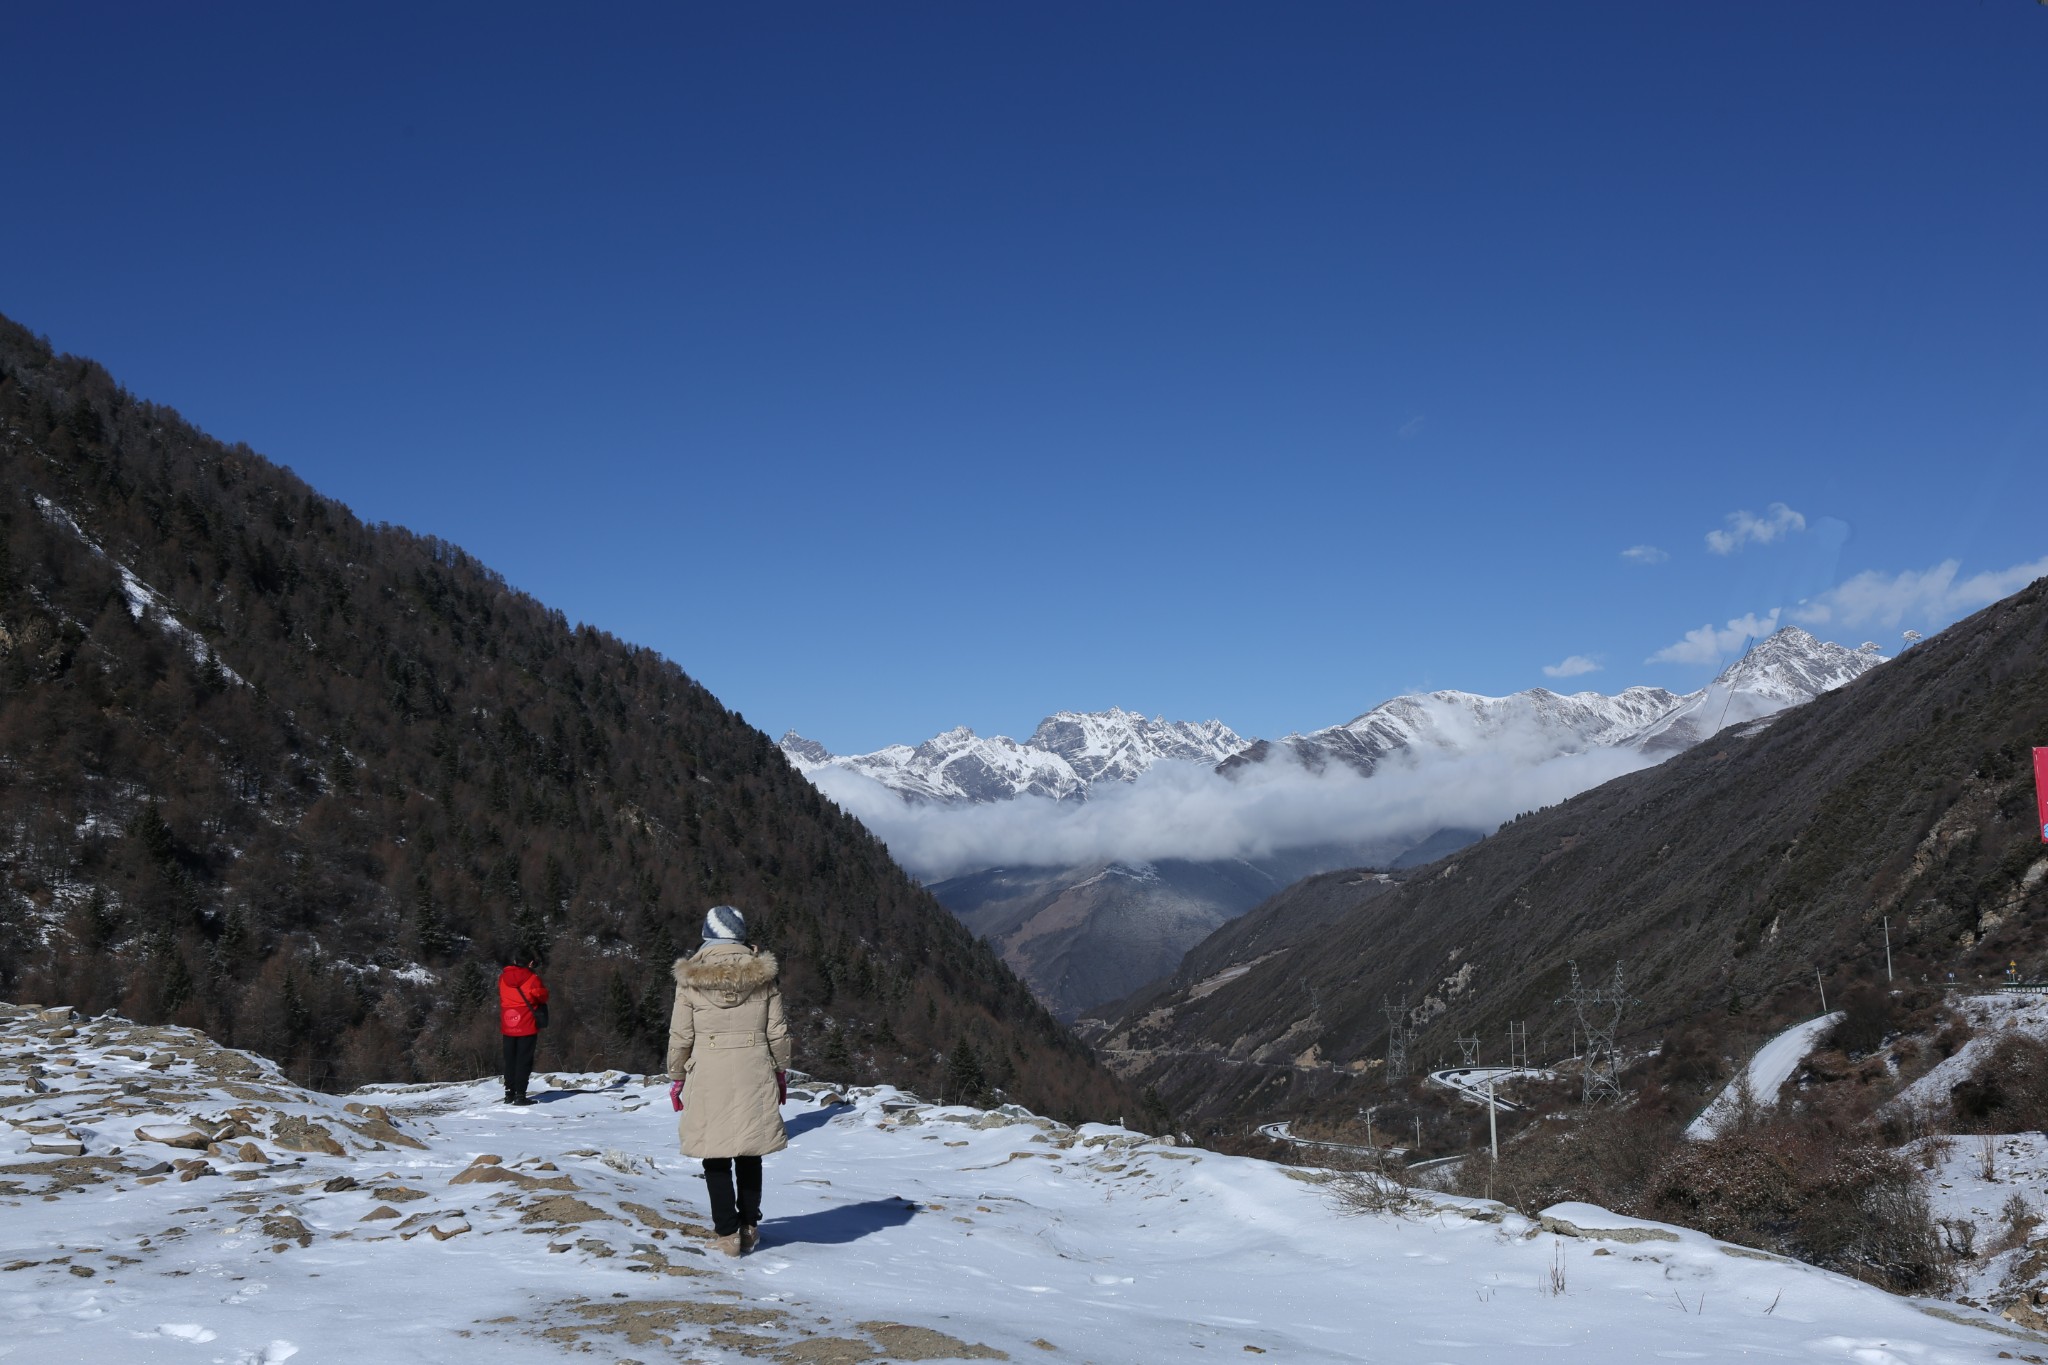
1071, 752
1067, 754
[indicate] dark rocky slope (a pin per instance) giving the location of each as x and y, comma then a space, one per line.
272, 772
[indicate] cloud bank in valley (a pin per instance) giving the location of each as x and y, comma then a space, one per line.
1188, 810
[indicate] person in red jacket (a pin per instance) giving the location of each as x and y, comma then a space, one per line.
522, 1013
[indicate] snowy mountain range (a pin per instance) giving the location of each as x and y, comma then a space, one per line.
1068, 753
1072, 752
1154, 833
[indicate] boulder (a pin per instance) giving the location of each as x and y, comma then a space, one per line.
1590, 1220
297, 1134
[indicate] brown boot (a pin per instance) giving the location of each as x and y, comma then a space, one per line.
729, 1244
750, 1237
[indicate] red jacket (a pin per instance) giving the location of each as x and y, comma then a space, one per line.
519, 990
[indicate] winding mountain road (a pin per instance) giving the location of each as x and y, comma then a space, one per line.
1470, 1083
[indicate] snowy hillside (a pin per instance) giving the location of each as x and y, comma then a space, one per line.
170, 1201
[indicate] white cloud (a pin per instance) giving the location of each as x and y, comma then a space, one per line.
1410, 428
1571, 668
1931, 596
1645, 554
1188, 810
1709, 646
1777, 522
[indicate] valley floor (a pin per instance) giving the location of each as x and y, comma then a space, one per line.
444, 1226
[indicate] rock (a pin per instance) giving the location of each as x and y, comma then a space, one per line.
562, 1208
449, 1227
481, 1172
84, 1272
135, 1087
56, 1014
161, 1168
297, 1134
285, 1228
340, 1183
369, 1111
174, 1135
251, 1154
1587, 1220
380, 1130
56, 1145
380, 1213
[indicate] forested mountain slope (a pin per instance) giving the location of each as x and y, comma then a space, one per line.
1721, 879
295, 779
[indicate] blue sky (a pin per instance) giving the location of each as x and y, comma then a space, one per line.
893, 367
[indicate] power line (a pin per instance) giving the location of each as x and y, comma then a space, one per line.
1598, 1010
1399, 1035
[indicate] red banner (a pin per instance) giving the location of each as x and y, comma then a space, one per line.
2041, 790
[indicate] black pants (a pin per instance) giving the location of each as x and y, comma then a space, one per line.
518, 1064
730, 1210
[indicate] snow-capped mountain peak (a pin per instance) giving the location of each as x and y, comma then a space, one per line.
1789, 667
804, 753
1068, 753
1117, 744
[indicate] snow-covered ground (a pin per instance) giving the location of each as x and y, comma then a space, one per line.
1768, 1071
1990, 1016
1982, 1181
294, 1227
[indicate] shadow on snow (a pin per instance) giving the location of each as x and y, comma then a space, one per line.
817, 1118
846, 1223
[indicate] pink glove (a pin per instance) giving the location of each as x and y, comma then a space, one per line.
675, 1095
782, 1087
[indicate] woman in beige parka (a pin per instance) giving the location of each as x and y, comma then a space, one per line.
728, 1053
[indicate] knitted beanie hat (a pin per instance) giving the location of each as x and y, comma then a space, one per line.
724, 924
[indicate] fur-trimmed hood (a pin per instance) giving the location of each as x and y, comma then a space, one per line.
727, 967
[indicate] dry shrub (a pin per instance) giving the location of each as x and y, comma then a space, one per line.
2017, 1223
1371, 1192
1690, 1061
1868, 1016
1608, 1159
1806, 1185
2008, 1092
1801, 1181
